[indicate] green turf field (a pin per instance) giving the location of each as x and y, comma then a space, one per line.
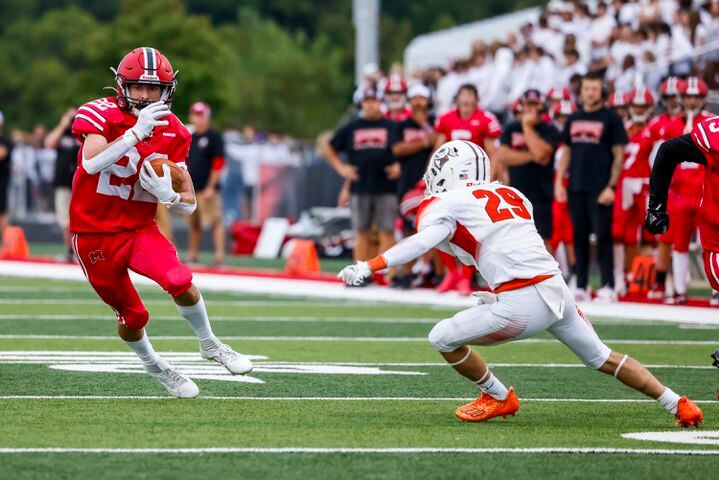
331, 378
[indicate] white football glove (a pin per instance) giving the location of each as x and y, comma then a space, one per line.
355, 274
161, 187
149, 118
484, 298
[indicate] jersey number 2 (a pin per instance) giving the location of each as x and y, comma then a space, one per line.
123, 190
516, 209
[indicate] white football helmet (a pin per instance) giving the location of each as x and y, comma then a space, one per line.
455, 164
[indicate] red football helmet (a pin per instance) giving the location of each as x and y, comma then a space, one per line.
147, 66
618, 99
641, 97
395, 84
563, 107
559, 94
670, 87
693, 86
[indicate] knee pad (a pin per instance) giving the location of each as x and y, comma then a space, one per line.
440, 337
177, 280
133, 318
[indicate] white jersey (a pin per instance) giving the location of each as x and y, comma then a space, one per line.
492, 228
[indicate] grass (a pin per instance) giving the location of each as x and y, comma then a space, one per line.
42, 315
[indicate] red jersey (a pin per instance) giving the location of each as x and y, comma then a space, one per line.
477, 128
665, 126
688, 178
637, 151
705, 135
113, 200
398, 115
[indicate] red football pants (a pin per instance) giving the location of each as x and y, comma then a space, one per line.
711, 267
106, 259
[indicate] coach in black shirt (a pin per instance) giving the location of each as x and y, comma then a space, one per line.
527, 149
595, 139
205, 163
372, 170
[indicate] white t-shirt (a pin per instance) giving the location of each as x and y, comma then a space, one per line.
491, 228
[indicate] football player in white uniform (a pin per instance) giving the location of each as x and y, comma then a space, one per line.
490, 226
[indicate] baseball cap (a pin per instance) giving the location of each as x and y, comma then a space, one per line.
418, 90
200, 108
370, 92
532, 96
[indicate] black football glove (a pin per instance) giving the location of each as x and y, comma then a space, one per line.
657, 221
715, 356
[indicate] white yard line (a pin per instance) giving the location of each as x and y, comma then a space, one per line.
329, 399
225, 318
284, 338
311, 450
167, 301
311, 289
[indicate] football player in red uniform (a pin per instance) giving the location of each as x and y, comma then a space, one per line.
618, 102
395, 99
667, 125
631, 199
685, 193
114, 199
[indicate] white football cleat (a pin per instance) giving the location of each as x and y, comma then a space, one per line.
235, 363
606, 294
582, 295
177, 384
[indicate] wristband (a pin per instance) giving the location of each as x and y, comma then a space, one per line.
377, 263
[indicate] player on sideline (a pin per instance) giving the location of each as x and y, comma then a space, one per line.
490, 226
114, 196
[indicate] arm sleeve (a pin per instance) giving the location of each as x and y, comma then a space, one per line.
415, 245
339, 140
670, 154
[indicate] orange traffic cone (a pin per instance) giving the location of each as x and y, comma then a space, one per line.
14, 245
303, 259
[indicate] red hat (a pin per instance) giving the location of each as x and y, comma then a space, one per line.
618, 99
201, 109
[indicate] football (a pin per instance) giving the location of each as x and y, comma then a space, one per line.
175, 172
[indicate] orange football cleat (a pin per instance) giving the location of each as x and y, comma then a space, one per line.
688, 414
486, 407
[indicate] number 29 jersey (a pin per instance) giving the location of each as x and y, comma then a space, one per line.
493, 230
113, 200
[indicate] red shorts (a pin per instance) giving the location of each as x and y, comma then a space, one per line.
106, 259
683, 220
627, 225
562, 231
711, 267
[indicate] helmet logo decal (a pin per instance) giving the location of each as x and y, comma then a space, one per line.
442, 156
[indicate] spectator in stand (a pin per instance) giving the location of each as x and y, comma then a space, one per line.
205, 163
595, 138
372, 170
6, 147
527, 147
67, 147
572, 66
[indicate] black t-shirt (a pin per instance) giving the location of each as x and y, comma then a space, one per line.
5, 163
366, 143
535, 181
206, 149
413, 166
67, 153
591, 137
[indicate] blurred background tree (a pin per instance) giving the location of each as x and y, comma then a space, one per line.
285, 65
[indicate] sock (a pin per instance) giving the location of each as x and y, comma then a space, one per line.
492, 386
669, 400
661, 278
144, 351
619, 266
680, 264
196, 315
